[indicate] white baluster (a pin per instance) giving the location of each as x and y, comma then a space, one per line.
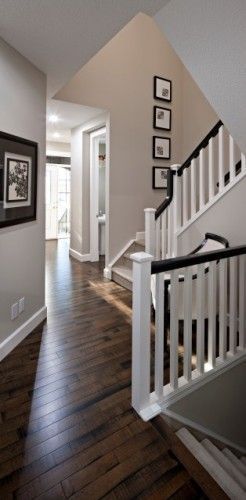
200, 318
193, 187
174, 330
212, 313
150, 238
187, 323
158, 238
211, 182
176, 207
141, 330
170, 230
242, 302
164, 235
201, 179
159, 335
233, 304
185, 196
221, 159
223, 308
243, 162
232, 158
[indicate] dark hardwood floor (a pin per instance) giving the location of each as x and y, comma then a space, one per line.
67, 429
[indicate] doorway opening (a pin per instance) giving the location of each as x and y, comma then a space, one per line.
58, 192
97, 193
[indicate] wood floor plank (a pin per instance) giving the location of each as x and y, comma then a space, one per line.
67, 426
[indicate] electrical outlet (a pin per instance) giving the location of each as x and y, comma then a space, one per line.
14, 310
21, 305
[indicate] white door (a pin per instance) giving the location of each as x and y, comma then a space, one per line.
51, 201
94, 191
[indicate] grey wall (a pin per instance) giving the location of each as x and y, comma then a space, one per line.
22, 252
210, 38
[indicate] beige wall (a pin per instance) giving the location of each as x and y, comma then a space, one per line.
23, 108
198, 117
120, 79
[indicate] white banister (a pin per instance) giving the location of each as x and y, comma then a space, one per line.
150, 238
164, 234
201, 179
223, 308
174, 330
158, 238
193, 192
212, 282
187, 323
232, 158
242, 302
200, 318
221, 159
185, 196
211, 182
233, 304
141, 330
176, 206
159, 335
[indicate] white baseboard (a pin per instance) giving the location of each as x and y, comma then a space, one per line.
107, 273
18, 335
86, 257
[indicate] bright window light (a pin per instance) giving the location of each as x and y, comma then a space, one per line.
56, 135
53, 118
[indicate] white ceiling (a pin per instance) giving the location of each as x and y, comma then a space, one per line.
60, 36
69, 116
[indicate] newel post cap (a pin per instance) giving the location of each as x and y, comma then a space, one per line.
141, 257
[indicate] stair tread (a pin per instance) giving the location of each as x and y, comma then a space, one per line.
225, 463
225, 481
123, 271
235, 460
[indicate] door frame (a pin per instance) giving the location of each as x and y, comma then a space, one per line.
94, 191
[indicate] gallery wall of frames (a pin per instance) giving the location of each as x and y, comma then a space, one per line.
162, 122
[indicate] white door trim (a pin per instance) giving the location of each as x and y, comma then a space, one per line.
94, 179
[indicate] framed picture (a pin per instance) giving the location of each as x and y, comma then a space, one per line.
18, 180
161, 148
162, 118
159, 177
162, 89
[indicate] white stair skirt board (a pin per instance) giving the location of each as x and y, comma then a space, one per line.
227, 465
214, 200
86, 257
20, 333
236, 461
216, 471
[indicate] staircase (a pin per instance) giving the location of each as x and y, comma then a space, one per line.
228, 470
122, 268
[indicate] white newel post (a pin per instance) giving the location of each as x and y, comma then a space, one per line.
150, 231
176, 208
141, 323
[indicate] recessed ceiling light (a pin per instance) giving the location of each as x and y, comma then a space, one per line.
56, 135
53, 118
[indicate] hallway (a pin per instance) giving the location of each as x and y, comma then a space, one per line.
67, 426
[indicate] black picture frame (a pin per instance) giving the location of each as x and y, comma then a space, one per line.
154, 177
157, 94
22, 151
163, 141
165, 111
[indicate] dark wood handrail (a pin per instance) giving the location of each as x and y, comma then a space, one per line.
169, 196
213, 132
203, 144
161, 266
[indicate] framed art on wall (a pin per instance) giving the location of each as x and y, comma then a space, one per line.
159, 177
161, 118
162, 89
18, 180
161, 148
